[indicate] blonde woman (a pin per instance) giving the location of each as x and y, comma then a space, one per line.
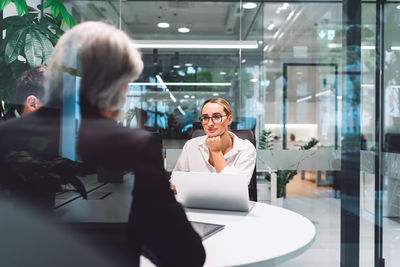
219, 150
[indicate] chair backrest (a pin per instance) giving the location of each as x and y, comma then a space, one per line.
243, 134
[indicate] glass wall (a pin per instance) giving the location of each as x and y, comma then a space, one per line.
284, 67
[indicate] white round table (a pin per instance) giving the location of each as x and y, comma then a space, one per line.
265, 236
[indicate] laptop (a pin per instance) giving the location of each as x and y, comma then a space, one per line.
212, 190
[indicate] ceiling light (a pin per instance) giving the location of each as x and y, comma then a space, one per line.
265, 48
253, 80
260, 42
398, 7
236, 74
290, 16
186, 96
339, 97
395, 47
333, 45
222, 73
271, 26
367, 47
193, 97
172, 97
188, 64
326, 92
163, 25
278, 11
176, 66
249, 5
164, 85
184, 30
299, 73
244, 60
285, 6
201, 44
275, 35
367, 85
215, 94
181, 110
303, 99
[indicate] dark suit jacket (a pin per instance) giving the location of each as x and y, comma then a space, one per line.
157, 223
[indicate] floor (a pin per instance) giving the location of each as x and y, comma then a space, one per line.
319, 205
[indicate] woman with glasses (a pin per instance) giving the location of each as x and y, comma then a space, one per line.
219, 150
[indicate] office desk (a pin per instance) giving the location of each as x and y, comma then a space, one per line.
262, 237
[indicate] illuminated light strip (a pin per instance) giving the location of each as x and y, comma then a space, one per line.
181, 84
161, 82
181, 110
367, 85
395, 48
303, 99
367, 47
196, 44
290, 125
323, 93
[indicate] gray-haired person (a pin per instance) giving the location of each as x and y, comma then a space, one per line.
107, 61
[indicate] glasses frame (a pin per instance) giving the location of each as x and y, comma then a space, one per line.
212, 119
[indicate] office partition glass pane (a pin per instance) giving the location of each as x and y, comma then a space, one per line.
367, 126
391, 134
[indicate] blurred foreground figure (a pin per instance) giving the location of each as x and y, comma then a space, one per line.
106, 60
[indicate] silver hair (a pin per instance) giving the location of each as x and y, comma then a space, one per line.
104, 57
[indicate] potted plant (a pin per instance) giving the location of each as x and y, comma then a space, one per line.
37, 180
283, 176
29, 40
292, 137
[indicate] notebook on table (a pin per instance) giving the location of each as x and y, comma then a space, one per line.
212, 190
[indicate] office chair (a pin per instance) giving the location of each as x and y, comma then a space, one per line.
243, 134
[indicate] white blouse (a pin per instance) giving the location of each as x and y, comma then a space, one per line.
241, 159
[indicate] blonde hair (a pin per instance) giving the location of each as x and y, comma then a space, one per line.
225, 104
103, 56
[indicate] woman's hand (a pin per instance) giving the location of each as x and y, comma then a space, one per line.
214, 144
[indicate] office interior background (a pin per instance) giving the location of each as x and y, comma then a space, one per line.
328, 70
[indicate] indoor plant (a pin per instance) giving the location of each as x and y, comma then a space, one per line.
283, 176
29, 40
37, 180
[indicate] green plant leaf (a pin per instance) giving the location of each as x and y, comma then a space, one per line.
48, 3
13, 20
21, 6
33, 50
15, 46
4, 3
47, 46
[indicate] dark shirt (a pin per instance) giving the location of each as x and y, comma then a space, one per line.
157, 222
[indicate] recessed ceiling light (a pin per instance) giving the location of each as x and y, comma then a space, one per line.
271, 26
260, 42
188, 64
222, 73
184, 30
163, 25
244, 60
398, 7
186, 96
278, 11
249, 5
253, 80
176, 66
215, 94
192, 96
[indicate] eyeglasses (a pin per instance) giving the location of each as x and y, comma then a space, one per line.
214, 118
